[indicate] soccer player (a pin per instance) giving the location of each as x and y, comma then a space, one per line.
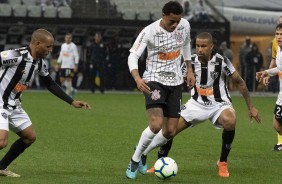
210, 99
18, 66
166, 39
263, 77
278, 146
68, 59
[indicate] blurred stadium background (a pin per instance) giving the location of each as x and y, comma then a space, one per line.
120, 21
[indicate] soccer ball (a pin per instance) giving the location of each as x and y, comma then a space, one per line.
165, 167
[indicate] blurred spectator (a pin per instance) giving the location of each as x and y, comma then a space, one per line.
201, 12
114, 54
244, 50
188, 15
254, 61
97, 63
226, 51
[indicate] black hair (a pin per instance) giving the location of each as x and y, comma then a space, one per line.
172, 7
205, 35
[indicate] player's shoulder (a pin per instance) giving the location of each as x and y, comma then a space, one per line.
184, 23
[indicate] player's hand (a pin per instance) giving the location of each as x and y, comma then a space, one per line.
80, 104
262, 77
190, 79
142, 85
254, 114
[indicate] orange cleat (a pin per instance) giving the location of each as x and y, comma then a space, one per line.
151, 170
222, 169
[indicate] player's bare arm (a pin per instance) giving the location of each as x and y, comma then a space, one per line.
141, 83
190, 75
253, 112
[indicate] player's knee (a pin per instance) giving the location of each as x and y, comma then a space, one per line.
3, 143
229, 123
30, 139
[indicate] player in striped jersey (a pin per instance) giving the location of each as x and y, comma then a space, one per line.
166, 39
210, 99
263, 76
18, 66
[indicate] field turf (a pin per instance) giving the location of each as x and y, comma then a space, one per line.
76, 146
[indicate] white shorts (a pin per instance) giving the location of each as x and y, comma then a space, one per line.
16, 120
196, 113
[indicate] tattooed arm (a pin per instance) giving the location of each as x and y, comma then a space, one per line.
253, 112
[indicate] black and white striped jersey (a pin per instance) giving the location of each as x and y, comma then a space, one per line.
17, 69
211, 80
165, 50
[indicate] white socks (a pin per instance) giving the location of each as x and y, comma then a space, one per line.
144, 141
158, 140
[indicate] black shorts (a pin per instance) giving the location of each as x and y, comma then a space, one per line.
166, 97
66, 72
278, 113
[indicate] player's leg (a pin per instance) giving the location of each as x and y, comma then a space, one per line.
227, 119
277, 125
277, 122
154, 106
155, 122
21, 124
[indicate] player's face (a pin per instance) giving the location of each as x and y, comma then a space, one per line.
170, 22
204, 49
278, 36
68, 38
43, 48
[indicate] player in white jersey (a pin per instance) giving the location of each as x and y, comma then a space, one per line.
263, 76
210, 99
68, 59
166, 40
18, 66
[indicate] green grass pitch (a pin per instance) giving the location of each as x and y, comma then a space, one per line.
94, 146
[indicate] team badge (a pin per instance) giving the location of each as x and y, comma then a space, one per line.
155, 95
214, 75
178, 37
4, 115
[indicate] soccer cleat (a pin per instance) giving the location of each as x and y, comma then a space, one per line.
142, 167
222, 169
277, 147
132, 170
8, 173
151, 170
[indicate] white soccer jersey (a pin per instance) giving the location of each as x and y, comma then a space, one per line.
211, 85
17, 70
279, 63
68, 55
164, 52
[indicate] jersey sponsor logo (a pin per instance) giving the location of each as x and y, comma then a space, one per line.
167, 76
204, 91
169, 55
20, 87
65, 54
214, 75
155, 95
10, 61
